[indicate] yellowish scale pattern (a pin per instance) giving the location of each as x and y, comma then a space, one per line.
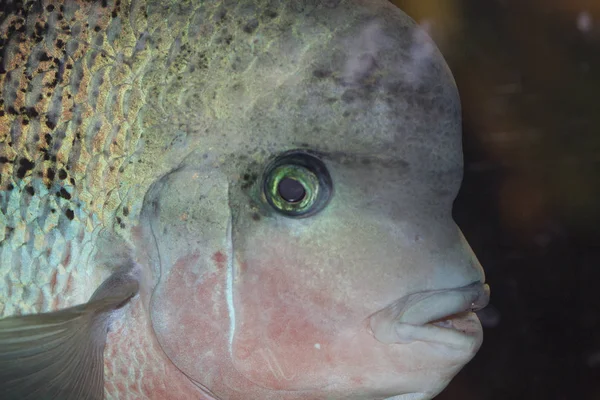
100, 98
67, 131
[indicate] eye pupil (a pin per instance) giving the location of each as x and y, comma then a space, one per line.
296, 184
291, 190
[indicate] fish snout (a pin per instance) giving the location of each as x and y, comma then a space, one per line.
445, 316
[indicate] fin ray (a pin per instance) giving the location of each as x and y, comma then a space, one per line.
59, 355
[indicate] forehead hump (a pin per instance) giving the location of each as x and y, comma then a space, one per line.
359, 77
355, 76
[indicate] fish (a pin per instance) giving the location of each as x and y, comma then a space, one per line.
230, 200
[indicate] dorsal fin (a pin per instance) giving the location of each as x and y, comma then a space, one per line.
59, 355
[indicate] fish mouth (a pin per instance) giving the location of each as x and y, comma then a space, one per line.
445, 316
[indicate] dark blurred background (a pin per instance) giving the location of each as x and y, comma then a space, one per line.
529, 76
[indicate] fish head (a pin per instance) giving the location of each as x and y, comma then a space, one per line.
308, 249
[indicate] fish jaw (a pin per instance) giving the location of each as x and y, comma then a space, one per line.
438, 316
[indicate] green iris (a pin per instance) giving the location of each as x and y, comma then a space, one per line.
297, 184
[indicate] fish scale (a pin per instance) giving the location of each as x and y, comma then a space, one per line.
64, 137
76, 81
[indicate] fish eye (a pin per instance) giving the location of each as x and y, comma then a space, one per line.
297, 184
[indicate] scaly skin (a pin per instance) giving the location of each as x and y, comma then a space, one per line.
100, 99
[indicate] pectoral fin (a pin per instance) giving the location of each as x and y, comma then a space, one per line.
59, 355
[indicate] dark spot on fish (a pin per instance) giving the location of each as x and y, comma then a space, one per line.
250, 26
104, 4
50, 124
72, 181
53, 210
53, 159
125, 211
52, 84
4, 160
50, 8
50, 173
220, 16
64, 194
8, 232
25, 122
44, 57
69, 66
48, 138
11, 30
25, 165
30, 190
349, 96
97, 28
123, 226
321, 73
249, 179
202, 61
60, 43
10, 187
1, 113
255, 217
271, 14
31, 112
70, 214
11, 110
40, 30
62, 174
119, 220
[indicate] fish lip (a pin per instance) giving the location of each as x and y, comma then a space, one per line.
443, 316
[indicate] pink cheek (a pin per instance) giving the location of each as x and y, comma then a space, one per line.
191, 324
286, 329
300, 327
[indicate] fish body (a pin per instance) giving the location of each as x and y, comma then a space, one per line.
261, 191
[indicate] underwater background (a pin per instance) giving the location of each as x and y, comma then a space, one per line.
528, 72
